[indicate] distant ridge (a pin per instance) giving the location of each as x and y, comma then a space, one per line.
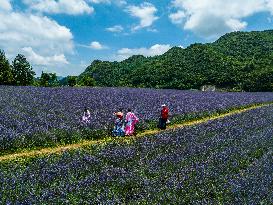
236, 61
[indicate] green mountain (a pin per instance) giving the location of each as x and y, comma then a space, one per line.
238, 60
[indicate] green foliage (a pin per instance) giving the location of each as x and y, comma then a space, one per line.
22, 71
236, 61
87, 81
6, 76
72, 80
36, 82
48, 80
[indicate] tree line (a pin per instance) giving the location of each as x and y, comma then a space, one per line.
20, 73
238, 61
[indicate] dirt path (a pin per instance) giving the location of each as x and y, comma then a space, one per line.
61, 149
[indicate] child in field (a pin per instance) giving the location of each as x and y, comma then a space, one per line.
119, 124
86, 118
131, 120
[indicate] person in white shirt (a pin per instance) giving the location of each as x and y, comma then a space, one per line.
86, 118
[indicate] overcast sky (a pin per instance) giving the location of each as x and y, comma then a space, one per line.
65, 36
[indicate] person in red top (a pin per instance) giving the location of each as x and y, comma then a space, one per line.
164, 117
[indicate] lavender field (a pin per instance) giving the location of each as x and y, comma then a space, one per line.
226, 161
28, 111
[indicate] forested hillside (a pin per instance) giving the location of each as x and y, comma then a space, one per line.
238, 61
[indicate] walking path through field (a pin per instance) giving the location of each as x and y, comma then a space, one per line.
61, 149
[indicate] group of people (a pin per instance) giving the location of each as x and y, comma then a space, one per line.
125, 126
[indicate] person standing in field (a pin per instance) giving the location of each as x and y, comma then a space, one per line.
131, 120
86, 118
119, 124
164, 117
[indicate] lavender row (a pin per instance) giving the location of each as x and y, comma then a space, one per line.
28, 110
225, 161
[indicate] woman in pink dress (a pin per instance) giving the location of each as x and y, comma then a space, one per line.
131, 120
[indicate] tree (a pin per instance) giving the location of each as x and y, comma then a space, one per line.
44, 79
6, 77
87, 81
22, 71
72, 80
49, 80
